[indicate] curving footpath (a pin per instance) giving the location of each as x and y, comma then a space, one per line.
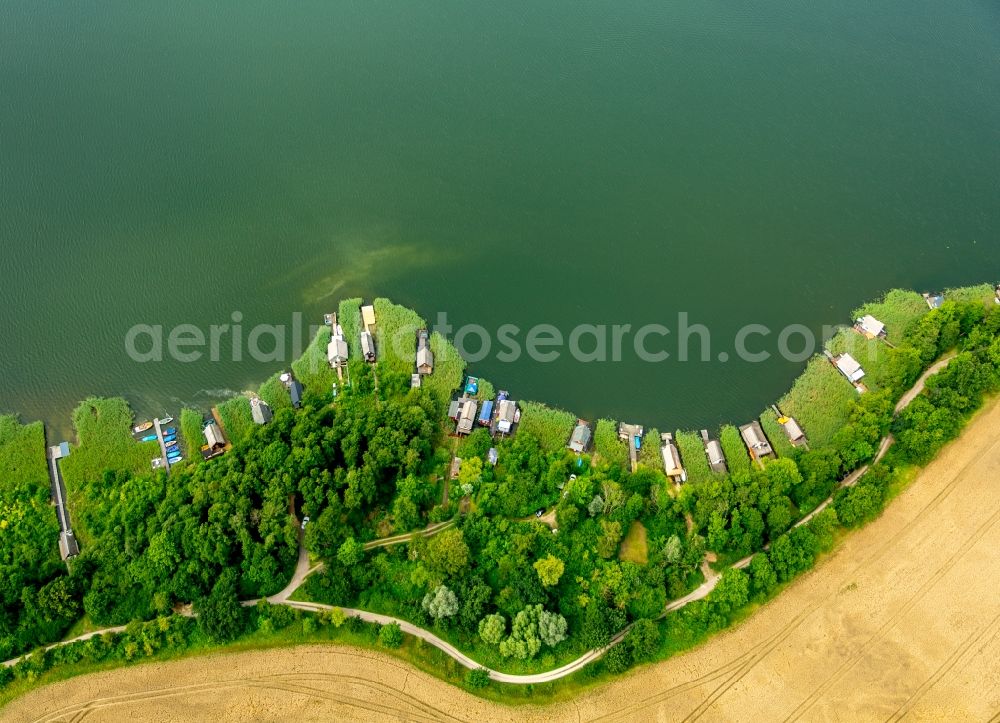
303, 571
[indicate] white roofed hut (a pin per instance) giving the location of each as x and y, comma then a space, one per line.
213, 436
68, 547
871, 327
259, 410
467, 416
795, 434
672, 459
425, 357
368, 346
756, 441
716, 459
850, 368
506, 416
579, 440
425, 361
336, 352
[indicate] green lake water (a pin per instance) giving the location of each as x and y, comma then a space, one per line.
556, 162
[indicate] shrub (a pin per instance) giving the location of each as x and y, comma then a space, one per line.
349, 319
551, 427
734, 450
618, 659
492, 629
649, 453
390, 636
607, 444
192, 424
693, 456
275, 393
477, 678
643, 639
237, 419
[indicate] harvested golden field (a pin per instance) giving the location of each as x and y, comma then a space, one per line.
902, 620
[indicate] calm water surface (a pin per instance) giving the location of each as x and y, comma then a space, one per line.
562, 162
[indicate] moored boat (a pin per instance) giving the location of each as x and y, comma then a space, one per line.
142, 427
168, 438
148, 438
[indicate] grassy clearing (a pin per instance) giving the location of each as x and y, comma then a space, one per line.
776, 434
191, 424
396, 328
275, 393
104, 433
551, 427
237, 419
897, 310
607, 444
486, 390
735, 451
349, 318
28, 527
449, 368
634, 547
313, 369
820, 400
693, 456
872, 354
983, 292
22, 454
649, 453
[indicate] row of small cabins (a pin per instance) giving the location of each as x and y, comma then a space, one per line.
503, 415
757, 444
337, 349
500, 416
337, 355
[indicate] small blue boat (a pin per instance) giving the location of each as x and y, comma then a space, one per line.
148, 438
172, 445
169, 438
174, 454
171, 430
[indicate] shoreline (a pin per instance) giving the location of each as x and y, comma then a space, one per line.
592, 655
62, 423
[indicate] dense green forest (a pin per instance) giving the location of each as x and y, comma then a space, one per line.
520, 593
39, 600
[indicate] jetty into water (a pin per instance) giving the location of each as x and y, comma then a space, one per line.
68, 546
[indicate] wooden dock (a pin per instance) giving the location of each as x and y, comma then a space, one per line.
68, 546
163, 445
